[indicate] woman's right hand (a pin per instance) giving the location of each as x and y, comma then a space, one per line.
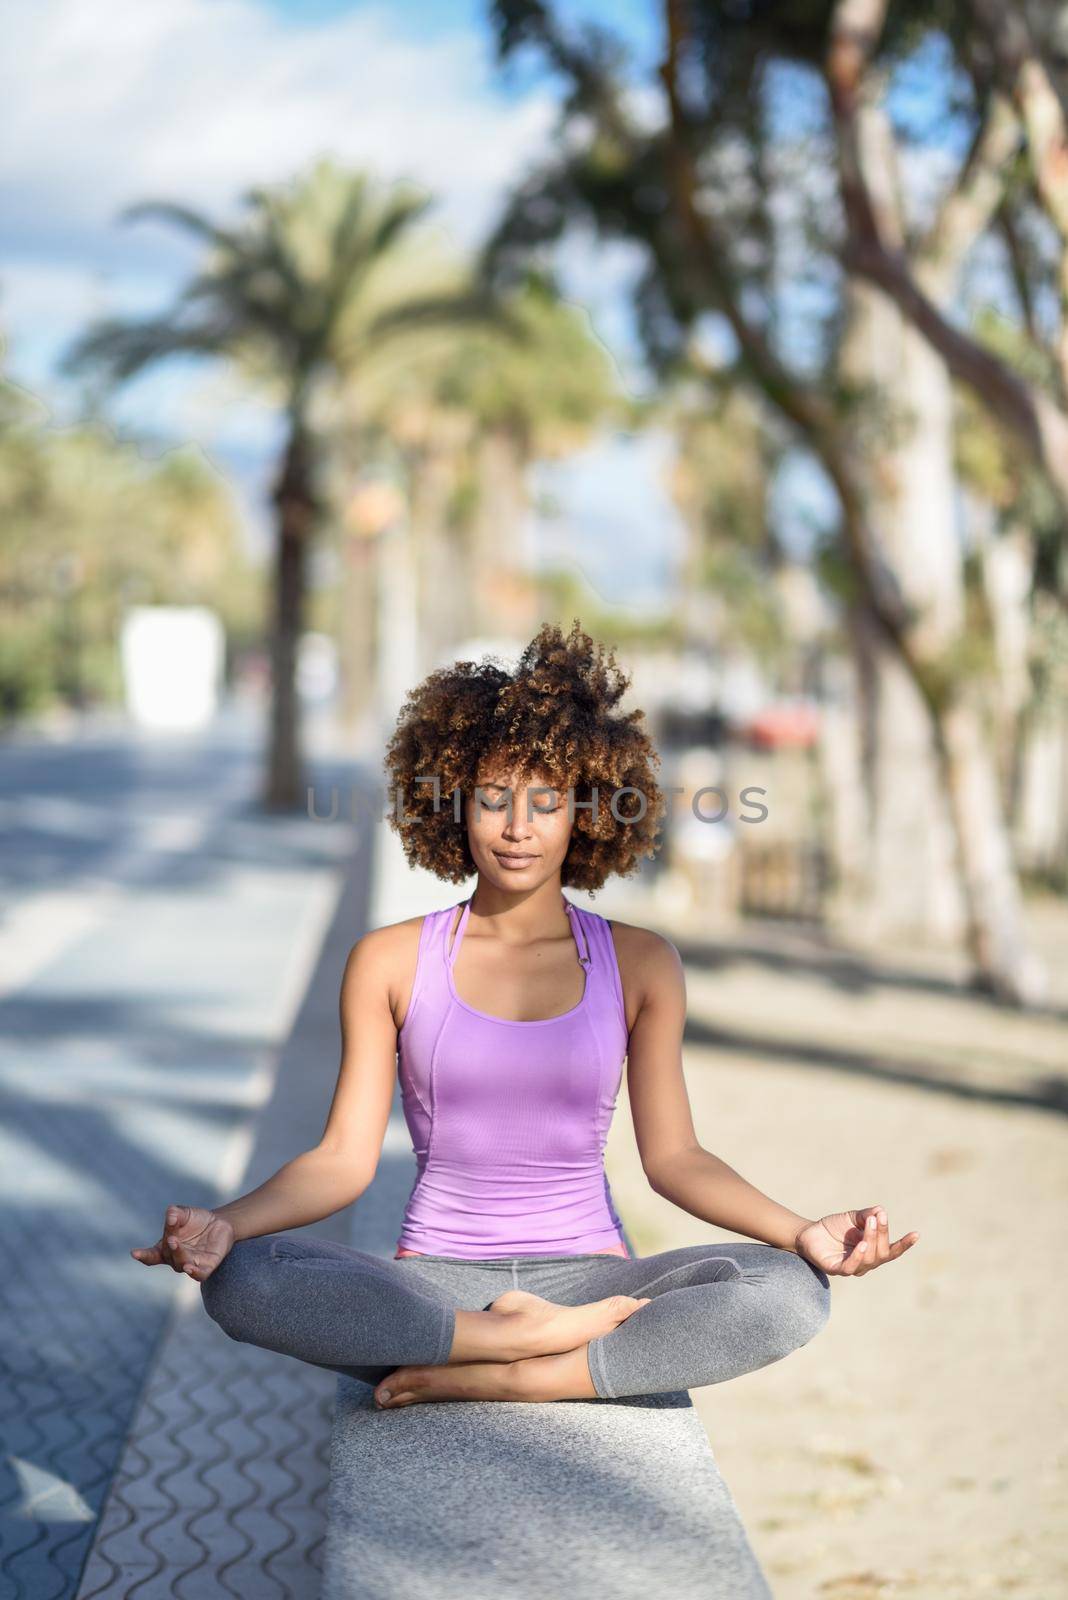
194, 1240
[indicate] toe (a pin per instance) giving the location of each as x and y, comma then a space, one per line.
402, 1386
391, 1399
389, 1387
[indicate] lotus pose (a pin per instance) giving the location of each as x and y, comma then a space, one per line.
507, 1018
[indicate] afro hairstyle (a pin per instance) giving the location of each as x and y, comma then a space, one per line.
555, 714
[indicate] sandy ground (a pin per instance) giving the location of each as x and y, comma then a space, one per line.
918, 1446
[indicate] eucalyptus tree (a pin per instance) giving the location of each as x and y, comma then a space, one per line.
727, 165
315, 276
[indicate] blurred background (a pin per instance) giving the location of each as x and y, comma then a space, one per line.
339, 341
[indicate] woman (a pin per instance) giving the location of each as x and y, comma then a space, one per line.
510, 1015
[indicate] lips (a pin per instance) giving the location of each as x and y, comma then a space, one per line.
513, 862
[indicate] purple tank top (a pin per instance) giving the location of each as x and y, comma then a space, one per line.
509, 1120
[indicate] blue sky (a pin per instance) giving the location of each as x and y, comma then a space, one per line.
197, 100
637, 21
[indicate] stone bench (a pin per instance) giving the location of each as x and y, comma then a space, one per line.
566, 1500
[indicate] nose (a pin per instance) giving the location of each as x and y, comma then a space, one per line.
518, 827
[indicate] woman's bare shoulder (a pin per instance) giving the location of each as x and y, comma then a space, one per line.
648, 960
390, 953
390, 936
641, 942
389, 947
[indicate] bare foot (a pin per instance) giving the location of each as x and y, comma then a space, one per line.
531, 1326
565, 1376
463, 1380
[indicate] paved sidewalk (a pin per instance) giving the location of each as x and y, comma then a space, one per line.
179, 1042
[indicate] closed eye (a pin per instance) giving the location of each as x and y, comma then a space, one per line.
501, 803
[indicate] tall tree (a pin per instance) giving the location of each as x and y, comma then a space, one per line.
699, 180
467, 421
317, 274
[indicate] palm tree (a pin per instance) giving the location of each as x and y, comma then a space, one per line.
468, 421
320, 273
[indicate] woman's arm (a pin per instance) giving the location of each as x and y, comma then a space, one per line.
708, 1188
314, 1184
339, 1168
676, 1165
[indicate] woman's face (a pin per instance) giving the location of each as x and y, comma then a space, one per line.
524, 849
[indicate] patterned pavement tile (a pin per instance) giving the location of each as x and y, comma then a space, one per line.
143, 1056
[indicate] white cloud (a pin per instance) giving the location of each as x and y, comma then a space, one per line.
196, 100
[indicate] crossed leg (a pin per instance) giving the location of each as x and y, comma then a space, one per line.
334, 1306
714, 1311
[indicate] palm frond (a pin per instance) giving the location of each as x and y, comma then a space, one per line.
122, 348
402, 214
477, 307
358, 252
186, 217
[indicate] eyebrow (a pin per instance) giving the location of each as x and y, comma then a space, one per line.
546, 787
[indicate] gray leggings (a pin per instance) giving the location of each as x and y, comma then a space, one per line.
717, 1310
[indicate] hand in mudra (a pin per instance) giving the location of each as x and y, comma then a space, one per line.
848, 1243
194, 1240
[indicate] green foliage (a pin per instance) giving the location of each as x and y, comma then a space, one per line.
547, 388
322, 277
758, 135
289, 293
565, 594
836, 574
749, 615
25, 665
986, 459
469, 415
91, 526
1048, 656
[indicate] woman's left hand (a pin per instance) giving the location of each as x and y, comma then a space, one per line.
849, 1243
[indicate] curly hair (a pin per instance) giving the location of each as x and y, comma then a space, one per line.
555, 714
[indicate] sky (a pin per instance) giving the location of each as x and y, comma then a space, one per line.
197, 100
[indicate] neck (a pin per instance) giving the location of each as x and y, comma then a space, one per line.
520, 915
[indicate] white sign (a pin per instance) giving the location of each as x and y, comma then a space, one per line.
172, 665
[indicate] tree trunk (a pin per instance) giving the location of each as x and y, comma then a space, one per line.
295, 508
912, 513
439, 552
1042, 811
501, 596
1006, 968
1023, 407
1007, 566
845, 792
908, 463
357, 633
397, 602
